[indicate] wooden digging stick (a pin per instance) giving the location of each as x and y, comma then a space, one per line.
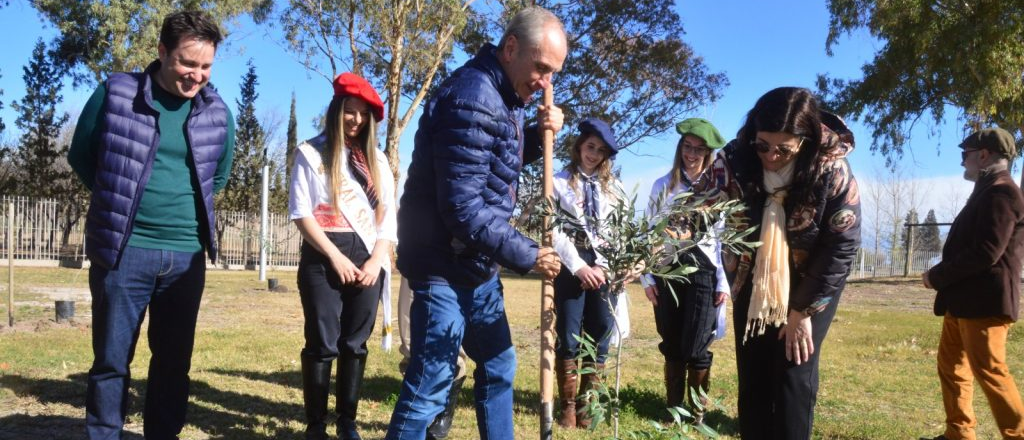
547, 298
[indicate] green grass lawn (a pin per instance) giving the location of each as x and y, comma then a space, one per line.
878, 377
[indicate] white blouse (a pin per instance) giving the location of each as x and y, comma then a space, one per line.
572, 201
711, 246
308, 197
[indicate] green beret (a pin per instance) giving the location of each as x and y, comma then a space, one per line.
703, 129
995, 140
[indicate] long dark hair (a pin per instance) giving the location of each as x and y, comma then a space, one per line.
792, 110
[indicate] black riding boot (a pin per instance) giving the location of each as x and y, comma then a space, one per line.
349, 383
316, 385
443, 423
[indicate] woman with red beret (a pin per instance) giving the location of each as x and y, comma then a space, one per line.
342, 201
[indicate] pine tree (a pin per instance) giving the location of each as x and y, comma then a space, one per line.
40, 160
38, 155
242, 193
911, 218
2, 126
293, 135
278, 200
279, 173
930, 240
6, 154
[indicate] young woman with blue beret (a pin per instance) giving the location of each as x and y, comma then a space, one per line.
587, 188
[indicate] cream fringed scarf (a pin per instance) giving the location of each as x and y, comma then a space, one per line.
769, 303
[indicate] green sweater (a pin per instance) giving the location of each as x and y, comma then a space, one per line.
168, 213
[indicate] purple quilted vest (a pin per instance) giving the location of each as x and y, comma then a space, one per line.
129, 141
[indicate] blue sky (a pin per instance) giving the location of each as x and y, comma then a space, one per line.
758, 44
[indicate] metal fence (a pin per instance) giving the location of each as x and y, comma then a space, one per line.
868, 264
41, 233
239, 241
42, 236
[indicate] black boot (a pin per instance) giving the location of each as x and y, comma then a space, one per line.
443, 423
316, 385
350, 380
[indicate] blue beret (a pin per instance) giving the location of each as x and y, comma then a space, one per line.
602, 130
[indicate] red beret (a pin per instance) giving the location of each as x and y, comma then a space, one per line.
350, 84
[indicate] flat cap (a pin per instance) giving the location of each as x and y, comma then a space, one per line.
993, 139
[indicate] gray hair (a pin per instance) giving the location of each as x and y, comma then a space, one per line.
528, 26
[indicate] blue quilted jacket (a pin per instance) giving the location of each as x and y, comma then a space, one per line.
125, 159
453, 224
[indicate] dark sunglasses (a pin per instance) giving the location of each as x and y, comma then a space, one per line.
963, 154
783, 152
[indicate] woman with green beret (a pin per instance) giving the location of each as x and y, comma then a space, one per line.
686, 321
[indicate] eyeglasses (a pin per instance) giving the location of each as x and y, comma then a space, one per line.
963, 154
782, 150
694, 149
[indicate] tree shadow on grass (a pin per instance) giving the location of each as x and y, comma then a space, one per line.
375, 388
649, 405
216, 412
69, 391
24, 426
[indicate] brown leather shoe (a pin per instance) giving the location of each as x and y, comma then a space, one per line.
697, 386
675, 386
565, 371
588, 381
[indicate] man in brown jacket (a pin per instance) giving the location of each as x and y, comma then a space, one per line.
978, 284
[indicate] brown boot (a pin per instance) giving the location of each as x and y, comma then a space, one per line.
697, 385
675, 385
565, 371
588, 381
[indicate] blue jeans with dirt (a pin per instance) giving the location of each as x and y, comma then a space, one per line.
443, 318
170, 285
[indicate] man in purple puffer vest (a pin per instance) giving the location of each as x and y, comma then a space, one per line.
152, 147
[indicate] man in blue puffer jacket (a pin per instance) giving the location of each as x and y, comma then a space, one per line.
453, 230
152, 147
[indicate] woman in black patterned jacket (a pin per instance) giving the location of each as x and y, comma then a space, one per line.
790, 169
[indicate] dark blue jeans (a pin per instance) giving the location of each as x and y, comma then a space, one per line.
441, 319
581, 312
170, 284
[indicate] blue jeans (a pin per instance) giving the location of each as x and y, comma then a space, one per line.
582, 312
170, 284
441, 319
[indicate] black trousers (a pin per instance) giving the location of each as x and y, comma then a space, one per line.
339, 318
686, 323
776, 396
581, 312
